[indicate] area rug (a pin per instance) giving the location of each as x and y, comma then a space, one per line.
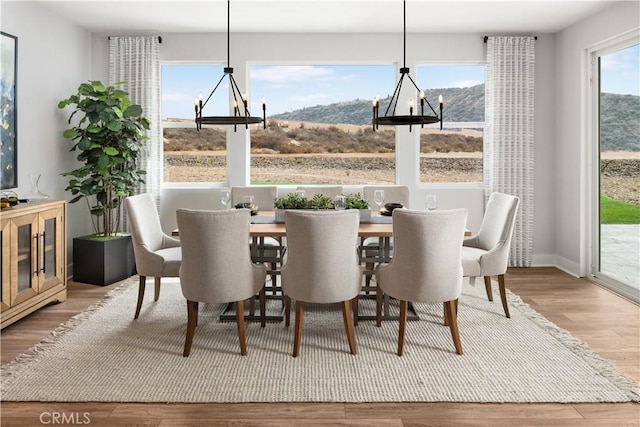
104, 355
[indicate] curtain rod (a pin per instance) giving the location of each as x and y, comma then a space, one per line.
159, 39
487, 38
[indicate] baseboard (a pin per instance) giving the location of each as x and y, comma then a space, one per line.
543, 260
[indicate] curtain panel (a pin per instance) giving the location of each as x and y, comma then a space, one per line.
136, 61
508, 143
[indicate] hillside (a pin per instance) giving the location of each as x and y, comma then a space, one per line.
620, 114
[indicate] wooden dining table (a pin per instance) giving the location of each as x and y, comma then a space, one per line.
263, 225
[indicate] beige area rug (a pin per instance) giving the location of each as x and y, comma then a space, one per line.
105, 355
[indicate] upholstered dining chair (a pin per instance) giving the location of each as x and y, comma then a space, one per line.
322, 264
326, 190
486, 254
392, 194
426, 265
157, 254
212, 272
263, 196
271, 248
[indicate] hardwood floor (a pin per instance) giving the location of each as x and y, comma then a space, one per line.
609, 324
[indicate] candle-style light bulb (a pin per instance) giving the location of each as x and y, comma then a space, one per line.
441, 102
411, 107
373, 121
421, 95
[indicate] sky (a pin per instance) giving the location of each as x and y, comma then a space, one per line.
286, 87
620, 71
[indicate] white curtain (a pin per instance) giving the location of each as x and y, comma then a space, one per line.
508, 141
136, 61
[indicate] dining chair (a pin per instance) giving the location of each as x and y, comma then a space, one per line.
486, 254
269, 248
263, 196
392, 194
157, 254
426, 265
216, 265
326, 190
322, 264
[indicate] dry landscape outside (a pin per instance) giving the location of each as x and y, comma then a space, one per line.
305, 153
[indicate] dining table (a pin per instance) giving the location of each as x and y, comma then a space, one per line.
264, 227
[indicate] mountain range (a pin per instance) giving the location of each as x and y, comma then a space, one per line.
620, 114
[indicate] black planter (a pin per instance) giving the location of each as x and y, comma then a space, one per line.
99, 262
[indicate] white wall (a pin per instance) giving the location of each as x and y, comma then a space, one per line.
570, 152
55, 56
248, 48
53, 59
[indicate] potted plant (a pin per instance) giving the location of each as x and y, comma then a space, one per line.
108, 136
319, 201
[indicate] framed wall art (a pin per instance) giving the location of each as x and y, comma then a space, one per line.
8, 108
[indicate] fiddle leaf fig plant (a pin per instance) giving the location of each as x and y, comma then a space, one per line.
108, 135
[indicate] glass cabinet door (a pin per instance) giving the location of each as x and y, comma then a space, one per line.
25, 252
5, 255
50, 268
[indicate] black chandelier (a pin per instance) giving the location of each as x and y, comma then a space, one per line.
419, 118
241, 114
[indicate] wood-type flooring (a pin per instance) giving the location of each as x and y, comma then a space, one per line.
610, 325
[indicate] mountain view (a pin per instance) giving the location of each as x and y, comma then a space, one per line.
620, 114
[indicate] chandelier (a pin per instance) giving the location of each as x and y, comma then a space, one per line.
423, 116
241, 114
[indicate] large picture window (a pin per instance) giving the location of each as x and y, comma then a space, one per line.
453, 154
191, 155
319, 125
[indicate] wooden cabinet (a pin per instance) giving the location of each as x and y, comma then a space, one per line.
34, 258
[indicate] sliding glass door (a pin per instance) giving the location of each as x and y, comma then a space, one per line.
616, 189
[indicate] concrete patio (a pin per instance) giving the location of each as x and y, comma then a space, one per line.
620, 252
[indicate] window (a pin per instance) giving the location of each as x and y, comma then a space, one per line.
319, 125
453, 154
191, 155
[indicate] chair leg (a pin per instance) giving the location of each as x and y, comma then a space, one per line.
298, 332
346, 315
356, 311
453, 325
192, 320
487, 285
379, 298
274, 266
141, 287
503, 295
403, 325
197, 311
287, 311
156, 294
240, 322
263, 307
367, 278
446, 313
